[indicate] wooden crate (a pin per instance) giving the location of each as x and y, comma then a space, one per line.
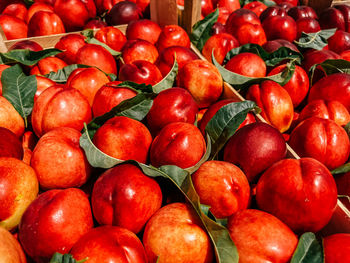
340, 222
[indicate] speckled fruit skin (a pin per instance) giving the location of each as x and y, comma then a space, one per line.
301, 193
136, 197
124, 138
10, 249
275, 102
178, 143
255, 147
203, 80
19, 188
54, 222
59, 106
59, 161
222, 186
171, 105
321, 139
336, 248
109, 244
178, 225
261, 237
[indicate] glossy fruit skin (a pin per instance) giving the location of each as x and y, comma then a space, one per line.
13, 27
105, 5
332, 18
326, 109
336, 248
247, 64
38, 6
330, 145
95, 55
140, 71
88, 81
123, 13
70, 43
238, 17
280, 27
316, 57
256, 6
301, 193
54, 222
171, 105
272, 11
10, 145
221, 44
18, 10
223, 187
26, 44
10, 249
172, 35
255, 147
47, 65
109, 244
112, 37
58, 160
273, 45
178, 143
345, 10
203, 80
298, 86
143, 29
339, 42
45, 23
261, 237
124, 138
307, 25
178, 224
10, 118
109, 96
136, 197
302, 11
19, 188
275, 102
332, 87
59, 106
95, 24
251, 33
75, 13
166, 58
138, 49
42, 84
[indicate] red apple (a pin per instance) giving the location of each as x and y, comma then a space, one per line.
301, 193
26, 44
13, 27
178, 225
273, 45
124, 138
59, 106
10, 249
109, 244
10, 145
70, 44
239, 17
280, 27
247, 64
138, 49
171, 105
42, 84
111, 36
140, 71
123, 13
172, 35
38, 6
250, 33
54, 222
336, 248
45, 23
339, 42
261, 237
47, 65
10, 118
256, 6
203, 80
136, 197
231, 5
332, 18
254, 148
178, 143
273, 11
302, 11
19, 188
143, 29
223, 187
109, 96
307, 25
95, 24
18, 10
330, 144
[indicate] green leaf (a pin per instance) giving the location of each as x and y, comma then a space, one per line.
19, 90
308, 250
135, 108
347, 129
332, 66
26, 56
241, 82
225, 122
88, 33
28, 3
97, 42
345, 168
66, 258
168, 81
317, 40
205, 157
136, 87
201, 31
271, 59
268, 3
62, 75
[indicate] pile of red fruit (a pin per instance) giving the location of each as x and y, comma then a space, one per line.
128, 147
